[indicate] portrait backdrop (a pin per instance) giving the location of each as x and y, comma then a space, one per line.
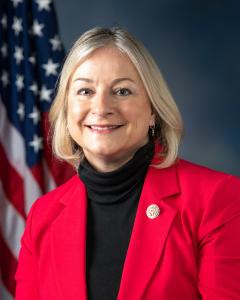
197, 46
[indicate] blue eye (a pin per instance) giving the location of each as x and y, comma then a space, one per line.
84, 92
123, 92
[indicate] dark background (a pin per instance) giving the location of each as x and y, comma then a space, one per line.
197, 46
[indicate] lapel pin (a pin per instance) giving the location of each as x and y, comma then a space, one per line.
153, 211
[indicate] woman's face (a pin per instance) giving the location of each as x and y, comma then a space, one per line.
109, 112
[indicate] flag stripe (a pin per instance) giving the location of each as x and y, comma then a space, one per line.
12, 142
12, 183
37, 172
11, 222
15, 151
4, 294
49, 181
8, 265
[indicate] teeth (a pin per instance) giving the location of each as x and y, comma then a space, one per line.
103, 128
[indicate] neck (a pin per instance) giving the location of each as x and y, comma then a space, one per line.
116, 185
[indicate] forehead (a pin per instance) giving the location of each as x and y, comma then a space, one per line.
106, 61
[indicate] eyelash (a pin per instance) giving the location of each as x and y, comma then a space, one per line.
88, 92
79, 92
123, 89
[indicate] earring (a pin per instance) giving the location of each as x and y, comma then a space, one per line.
152, 130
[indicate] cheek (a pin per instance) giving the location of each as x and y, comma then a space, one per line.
140, 117
74, 120
75, 112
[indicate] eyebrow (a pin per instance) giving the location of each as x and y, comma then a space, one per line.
113, 82
83, 79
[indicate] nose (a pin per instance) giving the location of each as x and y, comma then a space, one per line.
102, 104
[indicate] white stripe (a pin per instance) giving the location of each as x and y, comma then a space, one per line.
32, 190
14, 146
48, 179
4, 294
12, 224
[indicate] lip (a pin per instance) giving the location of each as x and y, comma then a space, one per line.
103, 128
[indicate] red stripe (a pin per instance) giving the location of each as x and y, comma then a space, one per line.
12, 183
38, 174
8, 267
60, 171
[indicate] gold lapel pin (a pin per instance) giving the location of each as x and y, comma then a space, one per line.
153, 211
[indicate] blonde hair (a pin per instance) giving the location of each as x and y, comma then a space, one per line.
168, 122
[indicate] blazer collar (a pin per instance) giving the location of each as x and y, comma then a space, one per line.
68, 237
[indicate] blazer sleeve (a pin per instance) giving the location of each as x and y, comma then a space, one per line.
219, 247
26, 275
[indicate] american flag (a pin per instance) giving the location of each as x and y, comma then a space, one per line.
31, 54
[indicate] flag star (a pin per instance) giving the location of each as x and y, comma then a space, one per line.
43, 4
56, 43
4, 78
36, 143
35, 115
45, 94
37, 28
4, 50
16, 2
50, 67
4, 21
19, 82
21, 111
17, 25
32, 59
18, 54
34, 88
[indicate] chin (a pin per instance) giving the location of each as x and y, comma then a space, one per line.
101, 151
106, 153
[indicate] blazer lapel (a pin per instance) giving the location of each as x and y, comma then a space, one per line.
148, 235
68, 244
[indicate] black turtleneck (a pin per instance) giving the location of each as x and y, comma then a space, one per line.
112, 204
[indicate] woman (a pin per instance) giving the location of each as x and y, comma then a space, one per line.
135, 222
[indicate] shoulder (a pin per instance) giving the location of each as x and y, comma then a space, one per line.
60, 193
212, 197
46, 210
188, 168
204, 181
47, 207
194, 175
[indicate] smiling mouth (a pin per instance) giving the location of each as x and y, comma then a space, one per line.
103, 128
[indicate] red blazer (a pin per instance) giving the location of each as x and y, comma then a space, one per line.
190, 251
